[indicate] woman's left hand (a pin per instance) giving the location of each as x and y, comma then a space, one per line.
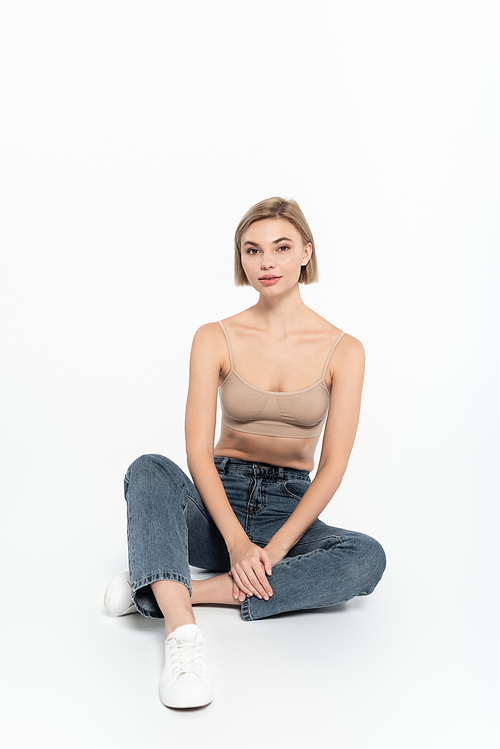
274, 555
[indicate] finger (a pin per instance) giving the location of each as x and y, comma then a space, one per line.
263, 582
258, 579
249, 580
241, 585
245, 577
267, 564
237, 593
266, 560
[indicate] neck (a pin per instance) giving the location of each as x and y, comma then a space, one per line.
282, 313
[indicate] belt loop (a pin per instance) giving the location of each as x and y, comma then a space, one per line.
222, 466
281, 472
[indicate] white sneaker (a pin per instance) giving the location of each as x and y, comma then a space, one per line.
185, 680
118, 596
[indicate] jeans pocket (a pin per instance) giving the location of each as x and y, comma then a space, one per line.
296, 488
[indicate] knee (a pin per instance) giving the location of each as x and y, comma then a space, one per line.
372, 558
150, 464
151, 470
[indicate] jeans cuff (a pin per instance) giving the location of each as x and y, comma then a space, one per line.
151, 609
245, 610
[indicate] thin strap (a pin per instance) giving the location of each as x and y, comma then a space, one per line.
228, 344
331, 352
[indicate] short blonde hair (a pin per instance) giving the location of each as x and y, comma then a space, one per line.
275, 208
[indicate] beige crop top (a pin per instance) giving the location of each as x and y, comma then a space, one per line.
297, 414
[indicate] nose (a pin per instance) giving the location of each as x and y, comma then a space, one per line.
267, 262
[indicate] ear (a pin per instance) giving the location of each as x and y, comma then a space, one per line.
306, 255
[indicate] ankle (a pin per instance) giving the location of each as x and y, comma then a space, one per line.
177, 621
174, 602
218, 589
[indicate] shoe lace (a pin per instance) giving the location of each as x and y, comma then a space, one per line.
186, 651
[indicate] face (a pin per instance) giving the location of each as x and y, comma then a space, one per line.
272, 254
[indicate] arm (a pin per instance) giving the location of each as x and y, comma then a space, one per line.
207, 356
204, 369
340, 431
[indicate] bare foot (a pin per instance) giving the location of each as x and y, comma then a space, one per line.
218, 589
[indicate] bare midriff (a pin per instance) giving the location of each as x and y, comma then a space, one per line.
274, 451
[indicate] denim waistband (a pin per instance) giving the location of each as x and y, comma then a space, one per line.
234, 465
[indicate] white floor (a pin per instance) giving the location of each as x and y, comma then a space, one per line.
391, 670
413, 665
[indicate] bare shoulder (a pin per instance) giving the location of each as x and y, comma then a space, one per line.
210, 332
348, 358
351, 347
209, 343
347, 363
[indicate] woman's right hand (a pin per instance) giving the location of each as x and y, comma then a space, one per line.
249, 565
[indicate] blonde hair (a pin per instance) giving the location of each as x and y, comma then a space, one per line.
275, 208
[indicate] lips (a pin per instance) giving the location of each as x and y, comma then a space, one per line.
269, 280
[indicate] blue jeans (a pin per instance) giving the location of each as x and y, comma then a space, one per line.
170, 528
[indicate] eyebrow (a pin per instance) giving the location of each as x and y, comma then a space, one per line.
275, 241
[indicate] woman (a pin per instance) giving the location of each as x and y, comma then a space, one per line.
251, 510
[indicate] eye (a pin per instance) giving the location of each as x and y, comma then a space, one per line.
251, 250
284, 247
